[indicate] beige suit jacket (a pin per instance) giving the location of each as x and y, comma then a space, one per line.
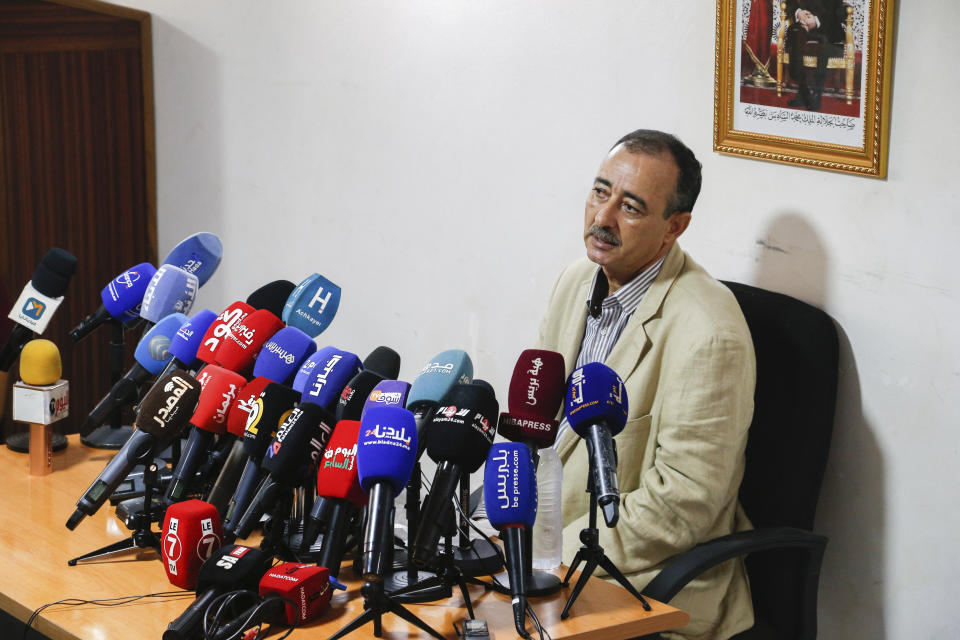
686, 358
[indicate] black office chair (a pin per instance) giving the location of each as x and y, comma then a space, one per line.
787, 445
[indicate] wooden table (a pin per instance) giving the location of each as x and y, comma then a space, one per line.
35, 546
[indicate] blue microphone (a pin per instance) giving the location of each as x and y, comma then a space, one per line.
386, 453
306, 369
510, 498
121, 299
328, 378
596, 408
152, 355
171, 290
188, 338
435, 379
198, 254
388, 393
312, 305
282, 355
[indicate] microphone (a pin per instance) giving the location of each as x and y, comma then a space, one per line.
121, 300
596, 408
198, 254
327, 378
354, 395
219, 389
191, 533
308, 365
271, 296
282, 355
434, 381
290, 459
535, 395
386, 453
388, 393
241, 346
338, 487
189, 336
164, 412
230, 568
151, 356
266, 413
220, 329
40, 363
312, 305
170, 290
38, 302
383, 361
510, 497
461, 432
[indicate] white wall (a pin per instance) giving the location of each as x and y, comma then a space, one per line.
432, 158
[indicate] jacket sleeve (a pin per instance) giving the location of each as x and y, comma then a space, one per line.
705, 400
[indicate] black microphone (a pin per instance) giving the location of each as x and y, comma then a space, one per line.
164, 413
230, 568
38, 301
383, 361
461, 432
354, 395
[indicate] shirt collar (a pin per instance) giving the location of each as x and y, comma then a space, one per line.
628, 296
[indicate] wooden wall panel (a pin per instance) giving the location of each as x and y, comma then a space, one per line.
73, 171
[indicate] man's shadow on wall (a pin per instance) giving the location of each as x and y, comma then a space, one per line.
791, 259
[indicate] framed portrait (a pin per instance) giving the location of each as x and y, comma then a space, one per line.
804, 82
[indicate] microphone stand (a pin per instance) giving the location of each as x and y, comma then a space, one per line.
114, 434
592, 554
473, 557
143, 537
376, 602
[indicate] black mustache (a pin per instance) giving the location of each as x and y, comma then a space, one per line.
604, 235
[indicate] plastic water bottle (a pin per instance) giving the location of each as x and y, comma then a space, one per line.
548, 527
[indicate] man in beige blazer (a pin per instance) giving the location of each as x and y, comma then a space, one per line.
686, 358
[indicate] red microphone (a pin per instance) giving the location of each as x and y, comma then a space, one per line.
339, 495
536, 393
245, 402
191, 533
220, 389
306, 585
220, 329
242, 345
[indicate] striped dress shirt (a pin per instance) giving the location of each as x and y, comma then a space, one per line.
607, 315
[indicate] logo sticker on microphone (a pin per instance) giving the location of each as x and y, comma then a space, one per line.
34, 308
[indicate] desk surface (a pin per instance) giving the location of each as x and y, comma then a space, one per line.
35, 546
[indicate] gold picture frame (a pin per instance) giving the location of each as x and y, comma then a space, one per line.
760, 111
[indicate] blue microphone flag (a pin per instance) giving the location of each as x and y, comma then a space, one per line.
595, 394
198, 254
171, 290
153, 350
283, 353
510, 486
122, 297
387, 447
312, 305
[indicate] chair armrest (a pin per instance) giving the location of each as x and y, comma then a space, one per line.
687, 566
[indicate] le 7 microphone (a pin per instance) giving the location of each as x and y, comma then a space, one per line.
37, 302
152, 355
164, 413
312, 305
386, 454
121, 299
510, 497
191, 533
596, 408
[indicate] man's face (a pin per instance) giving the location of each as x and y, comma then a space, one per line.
624, 229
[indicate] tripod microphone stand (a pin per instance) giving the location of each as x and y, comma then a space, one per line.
592, 554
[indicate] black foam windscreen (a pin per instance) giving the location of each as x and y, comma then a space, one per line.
233, 567
168, 406
486, 385
354, 395
275, 403
383, 361
301, 439
464, 426
272, 296
49, 282
60, 261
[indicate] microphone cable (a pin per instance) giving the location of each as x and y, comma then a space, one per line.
103, 602
230, 604
541, 631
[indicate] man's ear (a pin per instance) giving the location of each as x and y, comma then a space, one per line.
677, 224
